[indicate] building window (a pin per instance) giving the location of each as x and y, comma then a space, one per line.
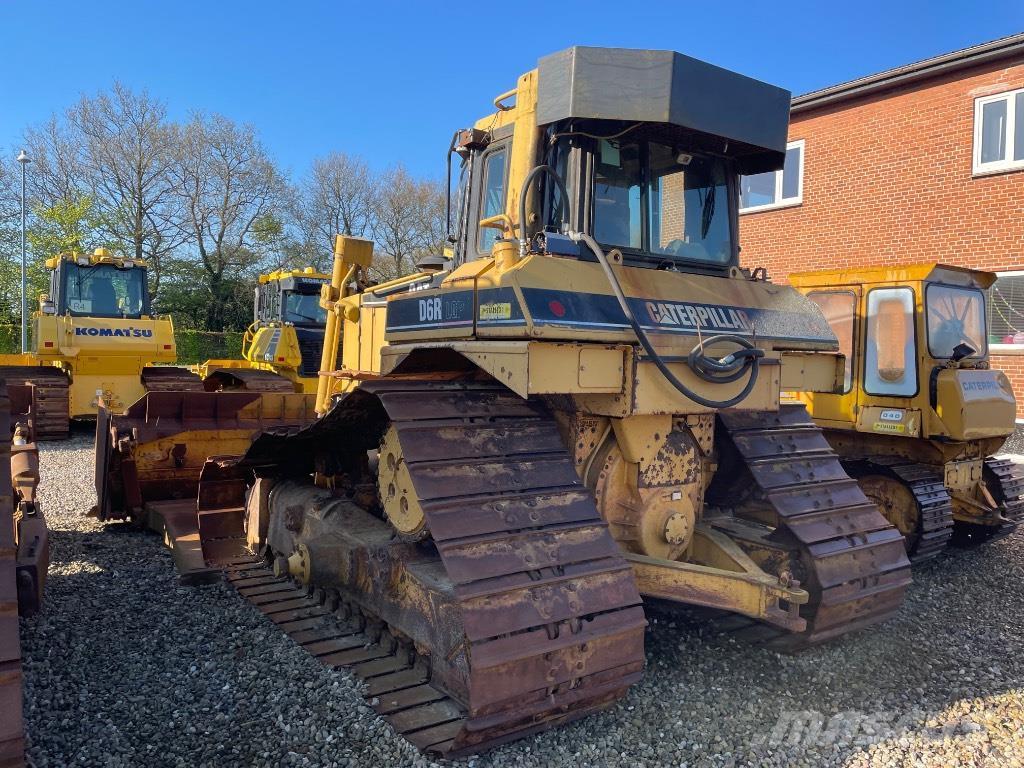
999, 132
775, 189
1006, 313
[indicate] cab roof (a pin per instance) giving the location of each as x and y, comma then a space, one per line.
282, 274
901, 273
98, 256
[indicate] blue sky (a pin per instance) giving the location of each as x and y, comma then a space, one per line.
391, 81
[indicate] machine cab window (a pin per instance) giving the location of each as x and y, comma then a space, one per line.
102, 290
303, 309
493, 202
955, 316
660, 201
890, 360
840, 310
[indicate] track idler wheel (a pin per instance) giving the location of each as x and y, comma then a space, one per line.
897, 505
397, 495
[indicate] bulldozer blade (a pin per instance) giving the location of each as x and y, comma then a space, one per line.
157, 448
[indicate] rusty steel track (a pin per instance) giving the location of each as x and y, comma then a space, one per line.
1006, 481
844, 553
246, 379
12, 736
545, 623
934, 504
51, 403
169, 378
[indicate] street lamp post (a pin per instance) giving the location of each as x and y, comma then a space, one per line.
24, 159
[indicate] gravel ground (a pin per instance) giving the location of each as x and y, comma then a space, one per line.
126, 668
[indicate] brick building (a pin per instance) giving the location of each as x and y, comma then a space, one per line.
920, 163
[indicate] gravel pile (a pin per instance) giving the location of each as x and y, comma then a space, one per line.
126, 668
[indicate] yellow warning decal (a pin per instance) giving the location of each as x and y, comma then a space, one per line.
496, 311
883, 427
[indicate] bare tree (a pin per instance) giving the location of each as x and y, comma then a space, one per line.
126, 153
231, 193
408, 222
336, 198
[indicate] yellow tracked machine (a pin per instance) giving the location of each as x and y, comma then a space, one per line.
281, 349
94, 337
578, 411
921, 414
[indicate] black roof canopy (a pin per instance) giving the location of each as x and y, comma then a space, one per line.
750, 117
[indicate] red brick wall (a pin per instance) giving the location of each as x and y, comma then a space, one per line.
888, 180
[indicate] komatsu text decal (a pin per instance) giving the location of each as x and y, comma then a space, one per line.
137, 333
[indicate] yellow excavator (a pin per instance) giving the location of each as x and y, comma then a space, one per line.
281, 349
921, 414
94, 336
577, 412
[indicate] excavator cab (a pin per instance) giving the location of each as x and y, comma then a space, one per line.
288, 321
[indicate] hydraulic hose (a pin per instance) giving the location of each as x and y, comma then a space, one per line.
715, 371
524, 240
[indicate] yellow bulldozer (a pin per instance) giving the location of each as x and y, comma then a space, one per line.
577, 412
921, 414
281, 349
94, 336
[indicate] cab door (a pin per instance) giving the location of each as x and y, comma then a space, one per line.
840, 306
890, 380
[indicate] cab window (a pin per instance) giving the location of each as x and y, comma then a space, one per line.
103, 290
891, 353
839, 309
663, 202
493, 202
303, 309
955, 316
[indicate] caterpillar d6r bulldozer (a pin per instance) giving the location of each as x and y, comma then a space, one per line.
578, 411
282, 348
94, 337
920, 415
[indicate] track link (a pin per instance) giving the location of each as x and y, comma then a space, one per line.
51, 398
247, 379
169, 378
854, 564
12, 736
551, 621
1008, 478
338, 635
934, 504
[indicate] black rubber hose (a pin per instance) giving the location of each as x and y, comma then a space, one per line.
523, 237
733, 366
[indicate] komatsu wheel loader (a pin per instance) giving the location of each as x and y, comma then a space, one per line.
281, 349
577, 412
921, 414
94, 337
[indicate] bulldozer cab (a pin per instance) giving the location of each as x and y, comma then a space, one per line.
655, 178
915, 340
291, 297
98, 285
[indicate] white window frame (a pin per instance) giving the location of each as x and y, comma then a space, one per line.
996, 166
789, 202
995, 348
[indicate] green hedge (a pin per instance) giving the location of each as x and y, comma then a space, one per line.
193, 346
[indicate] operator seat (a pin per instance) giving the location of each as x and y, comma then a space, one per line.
104, 298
